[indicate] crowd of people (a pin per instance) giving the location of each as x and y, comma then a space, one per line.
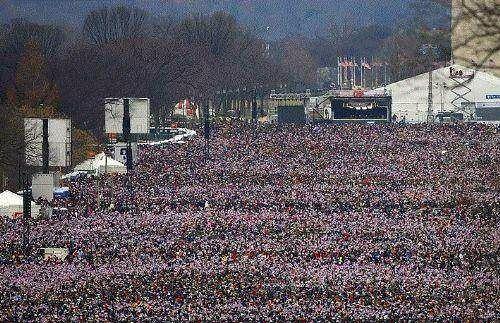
266, 222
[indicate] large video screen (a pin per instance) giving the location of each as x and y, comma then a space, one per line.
139, 115
488, 111
366, 108
291, 114
59, 131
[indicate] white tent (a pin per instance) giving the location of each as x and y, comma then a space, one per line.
410, 96
101, 164
177, 139
11, 205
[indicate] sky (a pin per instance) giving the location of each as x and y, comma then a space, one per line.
283, 17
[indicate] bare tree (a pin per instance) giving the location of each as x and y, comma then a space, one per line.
50, 38
110, 24
227, 55
476, 33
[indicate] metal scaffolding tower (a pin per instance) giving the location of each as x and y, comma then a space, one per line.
461, 89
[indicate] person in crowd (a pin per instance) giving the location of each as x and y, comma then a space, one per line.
315, 222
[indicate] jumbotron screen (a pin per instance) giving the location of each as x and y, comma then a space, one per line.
361, 108
488, 111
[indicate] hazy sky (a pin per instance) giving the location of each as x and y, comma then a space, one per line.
284, 17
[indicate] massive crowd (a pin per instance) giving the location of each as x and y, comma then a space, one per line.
317, 222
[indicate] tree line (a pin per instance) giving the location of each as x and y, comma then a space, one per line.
53, 70
128, 51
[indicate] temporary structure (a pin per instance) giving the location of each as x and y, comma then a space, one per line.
454, 88
101, 164
11, 205
74, 175
105, 164
182, 135
61, 192
55, 253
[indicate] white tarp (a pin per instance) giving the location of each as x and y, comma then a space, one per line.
73, 175
100, 164
55, 253
177, 139
11, 205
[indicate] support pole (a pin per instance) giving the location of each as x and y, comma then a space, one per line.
354, 65
126, 133
26, 214
362, 82
346, 68
339, 73
19, 176
385, 73
430, 99
45, 146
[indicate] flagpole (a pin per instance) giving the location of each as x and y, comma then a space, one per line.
362, 74
353, 73
339, 73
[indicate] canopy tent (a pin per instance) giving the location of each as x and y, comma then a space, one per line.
61, 192
101, 164
177, 139
86, 166
11, 205
74, 175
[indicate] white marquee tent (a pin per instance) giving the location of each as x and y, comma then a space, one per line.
410, 96
101, 164
11, 205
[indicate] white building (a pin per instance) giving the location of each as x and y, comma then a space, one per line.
455, 89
